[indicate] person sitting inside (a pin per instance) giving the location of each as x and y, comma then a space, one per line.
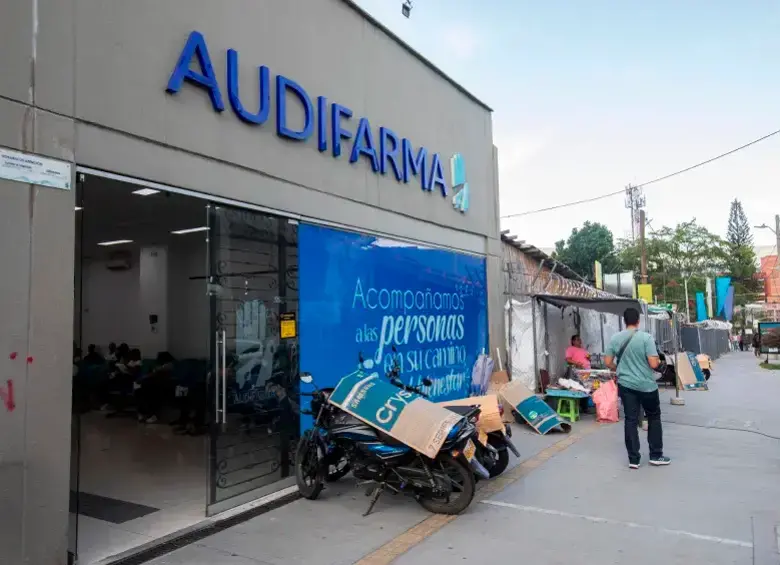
122, 376
111, 356
154, 388
93, 357
576, 355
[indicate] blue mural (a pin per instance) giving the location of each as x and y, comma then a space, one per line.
361, 294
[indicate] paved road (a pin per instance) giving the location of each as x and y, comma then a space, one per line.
718, 503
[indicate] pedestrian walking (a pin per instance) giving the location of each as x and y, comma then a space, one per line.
757, 344
633, 356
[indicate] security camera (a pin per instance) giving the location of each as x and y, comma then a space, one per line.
406, 8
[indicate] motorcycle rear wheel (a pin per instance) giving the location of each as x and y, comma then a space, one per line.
463, 481
308, 476
503, 459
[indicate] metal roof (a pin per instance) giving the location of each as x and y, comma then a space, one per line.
614, 306
415, 53
539, 255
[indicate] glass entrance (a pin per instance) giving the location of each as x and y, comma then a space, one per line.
252, 265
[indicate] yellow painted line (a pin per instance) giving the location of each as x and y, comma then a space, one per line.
415, 535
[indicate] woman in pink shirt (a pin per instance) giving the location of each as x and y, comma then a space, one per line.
576, 355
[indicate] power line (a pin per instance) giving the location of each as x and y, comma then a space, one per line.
654, 181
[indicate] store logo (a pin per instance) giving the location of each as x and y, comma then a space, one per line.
459, 185
385, 151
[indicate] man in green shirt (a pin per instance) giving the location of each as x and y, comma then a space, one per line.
633, 355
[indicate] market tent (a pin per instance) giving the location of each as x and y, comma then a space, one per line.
614, 306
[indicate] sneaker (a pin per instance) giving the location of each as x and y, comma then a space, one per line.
660, 461
633, 465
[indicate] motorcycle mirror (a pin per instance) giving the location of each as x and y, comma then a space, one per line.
427, 382
306, 378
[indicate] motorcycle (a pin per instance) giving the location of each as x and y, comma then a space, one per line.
493, 453
442, 485
666, 368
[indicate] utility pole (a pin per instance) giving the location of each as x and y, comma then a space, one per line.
777, 236
635, 201
642, 245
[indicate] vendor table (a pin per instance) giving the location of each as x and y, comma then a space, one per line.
568, 402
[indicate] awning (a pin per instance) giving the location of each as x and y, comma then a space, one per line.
614, 306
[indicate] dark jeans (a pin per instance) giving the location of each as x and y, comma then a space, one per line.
193, 406
121, 383
155, 391
634, 402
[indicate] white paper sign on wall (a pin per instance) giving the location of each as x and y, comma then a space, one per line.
34, 169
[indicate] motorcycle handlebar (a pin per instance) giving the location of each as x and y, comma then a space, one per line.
406, 387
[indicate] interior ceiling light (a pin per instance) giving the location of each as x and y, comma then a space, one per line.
190, 230
115, 242
145, 191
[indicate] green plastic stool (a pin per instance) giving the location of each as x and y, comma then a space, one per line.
569, 408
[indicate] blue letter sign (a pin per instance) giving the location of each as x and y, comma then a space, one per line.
384, 151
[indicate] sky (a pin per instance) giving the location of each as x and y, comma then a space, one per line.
589, 97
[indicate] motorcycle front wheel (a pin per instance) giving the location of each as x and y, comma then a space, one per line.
307, 468
461, 479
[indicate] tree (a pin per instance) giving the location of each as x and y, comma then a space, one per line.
688, 252
742, 257
739, 234
586, 245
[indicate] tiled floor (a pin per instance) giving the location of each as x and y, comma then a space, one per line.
142, 464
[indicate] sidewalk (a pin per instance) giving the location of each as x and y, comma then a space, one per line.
716, 501
330, 530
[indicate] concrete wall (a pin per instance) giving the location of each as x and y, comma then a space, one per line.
84, 81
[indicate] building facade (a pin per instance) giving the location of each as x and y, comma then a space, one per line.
306, 111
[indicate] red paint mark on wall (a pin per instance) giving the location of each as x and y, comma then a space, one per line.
7, 395
12, 356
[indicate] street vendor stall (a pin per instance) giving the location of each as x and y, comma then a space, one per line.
564, 383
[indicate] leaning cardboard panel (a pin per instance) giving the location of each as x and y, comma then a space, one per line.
489, 414
404, 416
689, 373
498, 380
533, 409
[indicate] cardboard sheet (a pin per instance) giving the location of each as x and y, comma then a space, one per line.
489, 417
704, 361
404, 416
533, 409
689, 373
498, 380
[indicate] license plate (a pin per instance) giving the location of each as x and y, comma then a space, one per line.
469, 450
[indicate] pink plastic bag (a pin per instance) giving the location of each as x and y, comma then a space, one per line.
606, 401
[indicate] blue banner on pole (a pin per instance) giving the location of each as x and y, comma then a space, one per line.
701, 307
728, 309
722, 285
362, 294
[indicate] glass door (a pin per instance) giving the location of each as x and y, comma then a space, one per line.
253, 386
79, 395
